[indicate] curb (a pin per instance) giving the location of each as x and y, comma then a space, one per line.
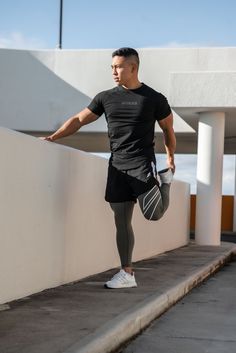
117, 331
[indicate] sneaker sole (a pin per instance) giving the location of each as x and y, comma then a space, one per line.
106, 286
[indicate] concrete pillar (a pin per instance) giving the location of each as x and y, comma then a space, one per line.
209, 177
234, 214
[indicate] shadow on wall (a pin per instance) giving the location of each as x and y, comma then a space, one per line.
34, 94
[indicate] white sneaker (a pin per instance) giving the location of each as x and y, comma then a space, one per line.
121, 279
166, 175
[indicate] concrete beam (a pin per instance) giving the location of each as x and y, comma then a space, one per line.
98, 142
211, 90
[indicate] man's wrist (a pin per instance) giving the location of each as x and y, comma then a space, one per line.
171, 162
171, 158
52, 138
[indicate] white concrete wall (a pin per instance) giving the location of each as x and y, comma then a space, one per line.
203, 90
56, 226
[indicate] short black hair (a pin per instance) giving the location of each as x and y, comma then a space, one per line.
126, 52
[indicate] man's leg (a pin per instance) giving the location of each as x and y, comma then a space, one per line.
154, 202
117, 191
123, 212
125, 242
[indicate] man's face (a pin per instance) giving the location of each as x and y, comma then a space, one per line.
122, 70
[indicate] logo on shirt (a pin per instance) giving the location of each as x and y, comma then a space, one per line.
129, 103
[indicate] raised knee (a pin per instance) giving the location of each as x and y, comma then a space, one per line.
154, 217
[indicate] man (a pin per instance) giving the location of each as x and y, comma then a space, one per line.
131, 110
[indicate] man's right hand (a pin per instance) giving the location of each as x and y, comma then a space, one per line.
47, 138
73, 124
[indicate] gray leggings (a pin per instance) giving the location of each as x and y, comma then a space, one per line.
153, 205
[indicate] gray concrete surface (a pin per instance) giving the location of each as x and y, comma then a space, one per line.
202, 322
86, 317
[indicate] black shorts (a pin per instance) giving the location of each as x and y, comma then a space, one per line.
127, 185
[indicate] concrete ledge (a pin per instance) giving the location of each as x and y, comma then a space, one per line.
56, 246
128, 324
83, 317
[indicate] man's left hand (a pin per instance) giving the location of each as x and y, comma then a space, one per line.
171, 164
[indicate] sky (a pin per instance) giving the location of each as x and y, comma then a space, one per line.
90, 24
33, 24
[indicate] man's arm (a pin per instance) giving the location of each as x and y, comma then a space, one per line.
169, 139
73, 124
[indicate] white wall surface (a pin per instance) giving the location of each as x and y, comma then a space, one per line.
203, 89
40, 89
56, 226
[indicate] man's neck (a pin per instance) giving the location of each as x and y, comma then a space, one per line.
132, 85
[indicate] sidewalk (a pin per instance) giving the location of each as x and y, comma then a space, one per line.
202, 322
83, 317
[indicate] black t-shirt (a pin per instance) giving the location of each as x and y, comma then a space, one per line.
131, 115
